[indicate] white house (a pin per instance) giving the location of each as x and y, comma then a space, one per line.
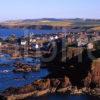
51, 38
36, 46
0, 43
23, 42
56, 37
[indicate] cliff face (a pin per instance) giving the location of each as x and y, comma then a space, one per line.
93, 77
72, 67
96, 72
76, 64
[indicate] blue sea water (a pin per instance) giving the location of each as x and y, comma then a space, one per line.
64, 97
10, 79
4, 32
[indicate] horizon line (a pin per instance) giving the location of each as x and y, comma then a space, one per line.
47, 18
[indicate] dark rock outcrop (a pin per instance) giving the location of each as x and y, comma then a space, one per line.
21, 67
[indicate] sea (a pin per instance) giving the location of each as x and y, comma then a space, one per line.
10, 79
5, 32
64, 97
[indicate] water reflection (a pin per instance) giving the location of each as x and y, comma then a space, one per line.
64, 97
77, 98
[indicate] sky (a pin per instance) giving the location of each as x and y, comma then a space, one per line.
33, 9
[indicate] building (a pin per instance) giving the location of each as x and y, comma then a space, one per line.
23, 42
0, 43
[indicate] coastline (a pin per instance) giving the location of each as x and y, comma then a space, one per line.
72, 91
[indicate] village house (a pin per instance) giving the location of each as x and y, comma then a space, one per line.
0, 43
90, 46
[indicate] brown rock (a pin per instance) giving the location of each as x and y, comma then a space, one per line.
96, 72
87, 80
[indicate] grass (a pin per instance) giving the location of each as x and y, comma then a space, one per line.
96, 28
49, 23
55, 23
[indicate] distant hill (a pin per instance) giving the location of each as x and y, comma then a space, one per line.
37, 22
51, 23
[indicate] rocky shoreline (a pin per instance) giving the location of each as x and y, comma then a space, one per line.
68, 75
47, 86
21, 67
91, 86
